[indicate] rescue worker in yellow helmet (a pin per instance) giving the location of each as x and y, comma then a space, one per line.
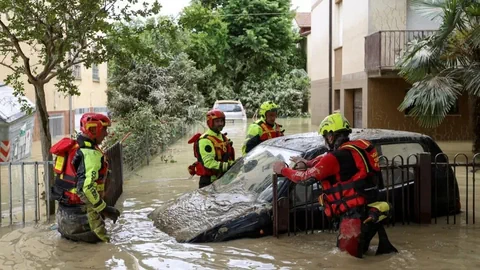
214, 151
263, 129
348, 175
81, 169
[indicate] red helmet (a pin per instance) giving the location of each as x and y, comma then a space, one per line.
93, 120
214, 114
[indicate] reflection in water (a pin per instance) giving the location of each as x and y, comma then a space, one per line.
137, 244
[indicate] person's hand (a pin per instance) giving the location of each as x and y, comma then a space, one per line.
278, 166
297, 159
111, 213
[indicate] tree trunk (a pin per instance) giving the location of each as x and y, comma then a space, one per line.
476, 124
45, 139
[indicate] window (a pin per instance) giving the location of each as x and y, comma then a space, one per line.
393, 173
77, 72
56, 125
82, 110
95, 76
100, 109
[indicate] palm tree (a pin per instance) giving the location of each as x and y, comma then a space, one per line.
446, 65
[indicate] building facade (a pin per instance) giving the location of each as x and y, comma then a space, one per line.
92, 85
368, 38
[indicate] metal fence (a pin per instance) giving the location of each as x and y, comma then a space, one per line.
25, 189
420, 188
384, 48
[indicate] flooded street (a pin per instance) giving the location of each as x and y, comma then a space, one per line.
137, 244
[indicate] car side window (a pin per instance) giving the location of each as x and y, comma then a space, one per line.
392, 173
402, 149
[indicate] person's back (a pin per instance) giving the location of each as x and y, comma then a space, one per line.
263, 129
346, 173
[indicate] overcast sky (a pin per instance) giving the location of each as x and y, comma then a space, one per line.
173, 7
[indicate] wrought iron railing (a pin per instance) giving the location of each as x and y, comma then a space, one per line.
421, 189
384, 48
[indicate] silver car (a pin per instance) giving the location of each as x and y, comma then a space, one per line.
233, 109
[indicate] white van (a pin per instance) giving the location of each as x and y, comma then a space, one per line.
233, 109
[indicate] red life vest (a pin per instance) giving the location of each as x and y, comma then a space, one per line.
65, 173
223, 152
268, 132
342, 194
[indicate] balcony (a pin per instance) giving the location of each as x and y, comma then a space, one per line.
384, 48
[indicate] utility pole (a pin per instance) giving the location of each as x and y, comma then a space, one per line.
330, 49
70, 114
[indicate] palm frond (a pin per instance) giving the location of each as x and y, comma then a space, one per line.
419, 60
431, 99
431, 9
471, 79
453, 20
474, 36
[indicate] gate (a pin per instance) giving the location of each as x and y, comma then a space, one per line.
25, 190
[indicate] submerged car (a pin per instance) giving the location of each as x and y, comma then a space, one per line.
233, 109
239, 204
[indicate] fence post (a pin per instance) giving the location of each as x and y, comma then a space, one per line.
423, 189
275, 204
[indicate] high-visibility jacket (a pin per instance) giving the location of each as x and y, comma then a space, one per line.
347, 176
80, 167
259, 132
214, 153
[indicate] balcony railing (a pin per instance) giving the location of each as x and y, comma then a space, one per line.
383, 49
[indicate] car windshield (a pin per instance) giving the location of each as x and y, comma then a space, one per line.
229, 107
253, 173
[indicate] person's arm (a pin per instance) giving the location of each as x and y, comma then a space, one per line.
253, 137
327, 166
282, 130
312, 162
88, 164
208, 156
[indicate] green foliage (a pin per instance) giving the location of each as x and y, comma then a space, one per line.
149, 134
249, 43
153, 87
59, 34
445, 65
289, 92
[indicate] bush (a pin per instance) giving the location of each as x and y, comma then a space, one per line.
290, 92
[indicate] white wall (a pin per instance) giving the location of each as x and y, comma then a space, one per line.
416, 21
355, 28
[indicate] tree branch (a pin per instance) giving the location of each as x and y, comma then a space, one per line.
7, 66
16, 44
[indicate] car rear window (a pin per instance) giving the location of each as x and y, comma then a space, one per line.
229, 107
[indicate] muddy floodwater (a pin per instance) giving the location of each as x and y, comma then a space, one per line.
137, 244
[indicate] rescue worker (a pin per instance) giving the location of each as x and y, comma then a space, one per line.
214, 151
263, 129
347, 174
81, 168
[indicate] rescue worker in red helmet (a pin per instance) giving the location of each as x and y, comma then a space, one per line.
213, 150
81, 169
348, 177
263, 129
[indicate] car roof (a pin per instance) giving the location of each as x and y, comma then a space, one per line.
228, 101
305, 141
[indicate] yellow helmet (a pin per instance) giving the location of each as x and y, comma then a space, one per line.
266, 107
334, 123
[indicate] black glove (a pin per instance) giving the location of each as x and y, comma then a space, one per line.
111, 213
